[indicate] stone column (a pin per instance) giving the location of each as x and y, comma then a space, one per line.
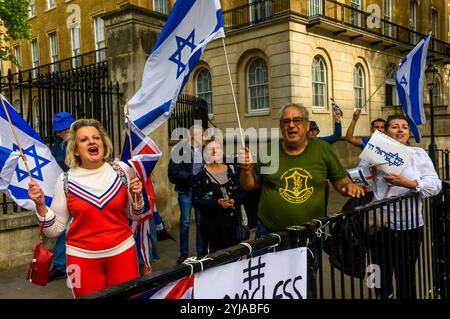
131, 32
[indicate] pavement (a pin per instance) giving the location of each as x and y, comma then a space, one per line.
13, 284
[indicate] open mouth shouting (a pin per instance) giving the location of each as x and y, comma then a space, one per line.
93, 150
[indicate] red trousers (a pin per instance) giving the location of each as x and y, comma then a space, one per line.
88, 275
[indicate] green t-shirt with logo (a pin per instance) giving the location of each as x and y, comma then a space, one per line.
295, 193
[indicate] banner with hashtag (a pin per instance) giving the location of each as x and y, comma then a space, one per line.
260, 277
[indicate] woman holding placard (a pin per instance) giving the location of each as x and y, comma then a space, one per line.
396, 248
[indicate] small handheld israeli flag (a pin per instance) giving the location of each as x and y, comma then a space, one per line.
361, 176
43, 167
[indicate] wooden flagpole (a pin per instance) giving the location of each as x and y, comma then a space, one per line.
24, 158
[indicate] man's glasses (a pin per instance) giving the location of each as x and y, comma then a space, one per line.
295, 120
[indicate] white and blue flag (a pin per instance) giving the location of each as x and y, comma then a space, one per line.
190, 26
8, 164
43, 167
409, 81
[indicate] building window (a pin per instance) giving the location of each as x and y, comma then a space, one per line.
51, 4
161, 6
437, 93
258, 85
204, 88
360, 91
54, 52
34, 57
388, 18
413, 21
355, 15
99, 29
315, 8
319, 83
434, 27
391, 97
18, 58
32, 9
260, 10
76, 50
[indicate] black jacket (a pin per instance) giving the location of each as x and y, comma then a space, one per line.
180, 174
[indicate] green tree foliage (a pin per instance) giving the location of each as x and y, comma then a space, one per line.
13, 25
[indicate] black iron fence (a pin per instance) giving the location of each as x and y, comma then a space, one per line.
444, 164
259, 11
188, 110
394, 248
86, 92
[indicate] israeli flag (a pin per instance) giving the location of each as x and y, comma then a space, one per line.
409, 81
190, 26
8, 164
43, 167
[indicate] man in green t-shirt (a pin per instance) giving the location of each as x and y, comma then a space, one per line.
295, 193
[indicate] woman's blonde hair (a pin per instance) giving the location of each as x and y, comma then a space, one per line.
74, 161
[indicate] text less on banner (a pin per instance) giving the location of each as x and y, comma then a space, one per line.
256, 278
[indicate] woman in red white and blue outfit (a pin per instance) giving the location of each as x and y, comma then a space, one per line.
94, 200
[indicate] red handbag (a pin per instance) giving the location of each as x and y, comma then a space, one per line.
40, 264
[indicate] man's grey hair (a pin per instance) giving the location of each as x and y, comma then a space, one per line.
195, 129
299, 106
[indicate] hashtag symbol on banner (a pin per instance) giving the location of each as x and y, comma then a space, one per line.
257, 268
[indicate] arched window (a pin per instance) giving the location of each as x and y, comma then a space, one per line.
319, 82
437, 92
360, 90
204, 88
391, 97
258, 85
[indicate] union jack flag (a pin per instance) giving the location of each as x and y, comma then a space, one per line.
145, 155
180, 289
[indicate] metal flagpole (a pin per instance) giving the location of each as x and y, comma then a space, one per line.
371, 96
232, 92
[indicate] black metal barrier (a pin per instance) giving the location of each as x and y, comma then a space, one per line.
395, 248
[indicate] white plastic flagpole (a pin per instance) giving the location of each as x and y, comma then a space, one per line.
232, 92
15, 137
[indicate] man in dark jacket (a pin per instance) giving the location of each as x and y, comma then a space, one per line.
186, 161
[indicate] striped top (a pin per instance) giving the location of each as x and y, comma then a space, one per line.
96, 212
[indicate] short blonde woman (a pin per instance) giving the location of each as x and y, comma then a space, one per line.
95, 199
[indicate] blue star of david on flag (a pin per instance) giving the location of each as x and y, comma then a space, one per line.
177, 56
39, 161
403, 81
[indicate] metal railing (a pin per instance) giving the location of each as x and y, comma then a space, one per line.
67, 64
350, 250
444, 164
259, 11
